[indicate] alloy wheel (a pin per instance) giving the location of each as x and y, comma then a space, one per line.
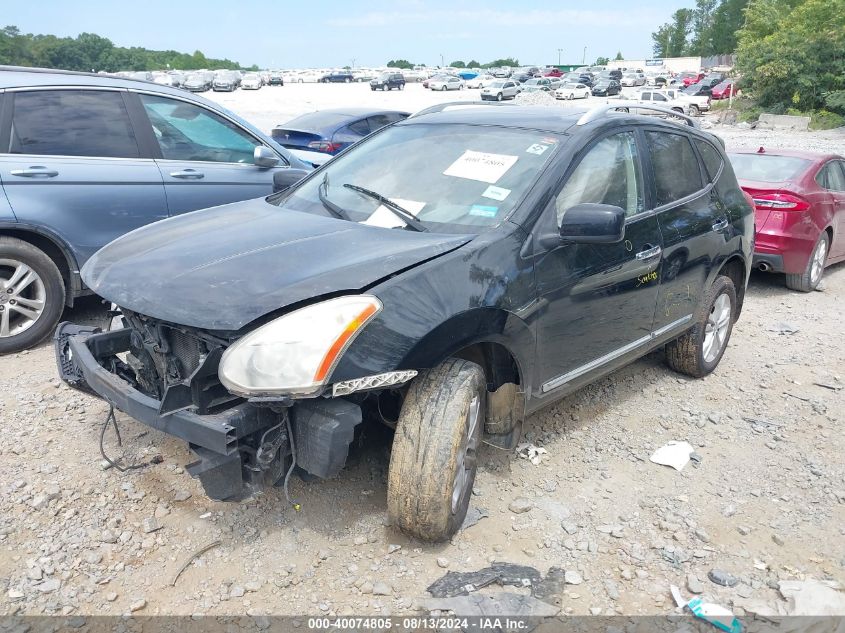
817, 265
467, 455
22, 297
716, 329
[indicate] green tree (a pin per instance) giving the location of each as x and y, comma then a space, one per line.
497, 63
728, 19
458, 64
702, 28
619, 57
680, 29
473, 64
660, 39
400, 63
791, 53
602, 61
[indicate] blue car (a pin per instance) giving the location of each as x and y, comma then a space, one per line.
85, 158
330, 131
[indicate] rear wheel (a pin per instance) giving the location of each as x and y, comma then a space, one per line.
348, 80
698, 351
434, 457
32, 295
812, 275
444, 87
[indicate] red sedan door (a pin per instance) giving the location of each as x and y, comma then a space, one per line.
832, 178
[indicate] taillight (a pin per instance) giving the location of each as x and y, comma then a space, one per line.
324, 146
780, 202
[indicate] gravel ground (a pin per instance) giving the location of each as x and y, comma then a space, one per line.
764, 502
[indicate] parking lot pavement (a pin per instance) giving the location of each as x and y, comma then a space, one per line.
764, 500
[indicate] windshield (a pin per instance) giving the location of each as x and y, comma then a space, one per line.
497, 84
453, 177
763, 168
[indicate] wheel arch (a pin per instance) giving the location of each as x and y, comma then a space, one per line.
736, 269
55, 248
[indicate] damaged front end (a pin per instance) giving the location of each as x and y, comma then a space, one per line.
168, 378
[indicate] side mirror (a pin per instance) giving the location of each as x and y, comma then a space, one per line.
264, 157
285, 178
593, 224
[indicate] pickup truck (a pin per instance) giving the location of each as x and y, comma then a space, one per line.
656, 97
696, 103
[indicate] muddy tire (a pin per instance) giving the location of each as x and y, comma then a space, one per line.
434, 456
31, 306
694, 110
697, 352
812, 275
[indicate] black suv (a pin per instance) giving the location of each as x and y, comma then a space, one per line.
446, 276
338, 77
388, 81
606, 88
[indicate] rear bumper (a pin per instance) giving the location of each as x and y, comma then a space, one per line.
789, 236
770, 263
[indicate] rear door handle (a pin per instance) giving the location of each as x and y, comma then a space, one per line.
36, 171
187, 174
649, 253
721, 225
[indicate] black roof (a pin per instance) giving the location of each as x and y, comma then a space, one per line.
556, 120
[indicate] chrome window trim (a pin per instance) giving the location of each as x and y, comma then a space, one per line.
561, 380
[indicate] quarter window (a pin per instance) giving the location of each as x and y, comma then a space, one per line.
677, 173
608, 174
189, 132
712, 159
72, 123
831, 177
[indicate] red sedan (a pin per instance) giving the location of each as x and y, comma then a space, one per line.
799, 201
724, 90
691, 78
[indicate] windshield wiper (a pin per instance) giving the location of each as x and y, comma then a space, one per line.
334, 209
406, 216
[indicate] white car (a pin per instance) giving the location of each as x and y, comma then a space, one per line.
500, 90
659, 98
446, 83
632, 79
479, 81
251, 81
573, 91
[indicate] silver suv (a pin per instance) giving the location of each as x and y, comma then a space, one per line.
86, 158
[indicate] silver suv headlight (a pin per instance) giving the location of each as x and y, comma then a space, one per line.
296, 353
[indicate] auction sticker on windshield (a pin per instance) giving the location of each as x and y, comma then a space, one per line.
481, 166
385, 218
496, 193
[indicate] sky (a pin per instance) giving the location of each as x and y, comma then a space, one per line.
334, 33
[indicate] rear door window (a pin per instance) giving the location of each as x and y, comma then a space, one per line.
677, 173
91, 123
712, 159
831, 177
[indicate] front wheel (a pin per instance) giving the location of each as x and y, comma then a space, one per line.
434, 457
812, 275
32, 295
499, 97
698, 351
693, 110
348, 80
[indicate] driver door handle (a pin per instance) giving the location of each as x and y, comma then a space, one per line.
187, 174
721, 225
36, 171
649, 253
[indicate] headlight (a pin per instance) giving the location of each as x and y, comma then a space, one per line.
295, 354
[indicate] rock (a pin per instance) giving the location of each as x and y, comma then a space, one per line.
15, 594
161, 512
181, 495
520, 505
443, 563
743, 529
111, 596
52, 491
382, 589
366, 588
569, 527
34, 573
612, 589
39, 502
150, 524
107, 536
694, 585
92, 557
702, 536
744, 591
595, 610
393, 547
729, 510
722, 578
138, 605
778, 539
253, 585
572, 578
237, 592
49, 586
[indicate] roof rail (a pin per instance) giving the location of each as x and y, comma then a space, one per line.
626, 107
440, 107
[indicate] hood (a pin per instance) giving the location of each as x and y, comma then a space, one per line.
222, 268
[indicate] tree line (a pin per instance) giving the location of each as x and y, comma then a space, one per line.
496, 63
790, 53
91, 52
